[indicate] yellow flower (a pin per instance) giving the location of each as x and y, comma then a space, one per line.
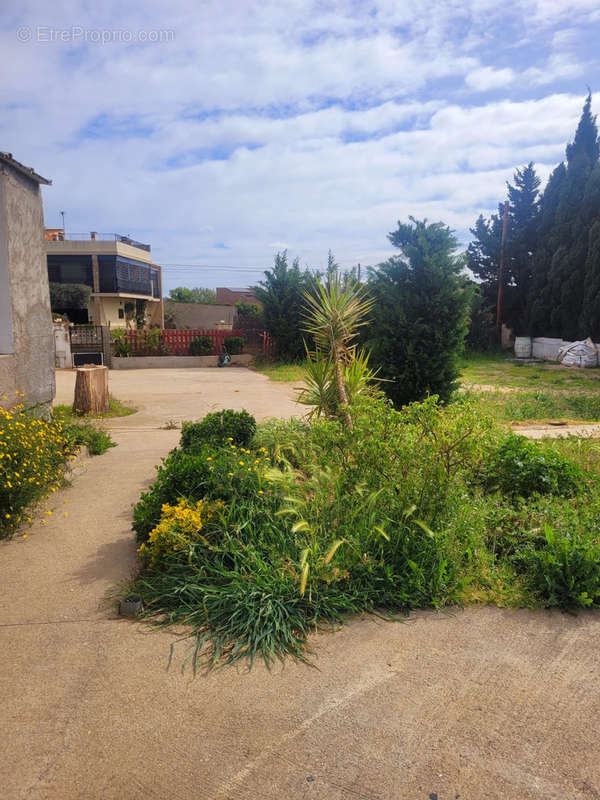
260, 491
241, 463
230, 474
24, 535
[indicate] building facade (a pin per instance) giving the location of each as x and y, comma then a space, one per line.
229, 297
124, 282
198, 315
26, 333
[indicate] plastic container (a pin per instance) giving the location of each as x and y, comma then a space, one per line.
523, 347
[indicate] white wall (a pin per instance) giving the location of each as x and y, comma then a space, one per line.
543, 347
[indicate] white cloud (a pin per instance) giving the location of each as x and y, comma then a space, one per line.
306, 124
486, 78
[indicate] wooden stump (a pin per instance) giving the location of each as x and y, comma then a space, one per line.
91, 390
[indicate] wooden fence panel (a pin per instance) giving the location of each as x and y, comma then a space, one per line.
177, 342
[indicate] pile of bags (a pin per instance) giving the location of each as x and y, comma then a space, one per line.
579, 354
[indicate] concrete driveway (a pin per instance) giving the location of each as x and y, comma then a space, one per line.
482, 703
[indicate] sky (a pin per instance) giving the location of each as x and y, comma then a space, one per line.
221, 132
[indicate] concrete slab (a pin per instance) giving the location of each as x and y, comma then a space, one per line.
483, 703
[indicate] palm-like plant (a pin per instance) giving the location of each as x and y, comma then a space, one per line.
333, 315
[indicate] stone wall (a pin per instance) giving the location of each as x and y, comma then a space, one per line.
27, 356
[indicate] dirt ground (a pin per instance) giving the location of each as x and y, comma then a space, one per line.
482, 703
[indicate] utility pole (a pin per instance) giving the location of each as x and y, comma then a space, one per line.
359, 271
500, 269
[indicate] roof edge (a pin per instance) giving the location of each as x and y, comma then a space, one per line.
29, 172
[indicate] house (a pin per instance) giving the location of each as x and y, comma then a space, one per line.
26, 334
193, 316
229, 297
124, 282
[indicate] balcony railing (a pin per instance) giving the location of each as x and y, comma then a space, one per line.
61, 236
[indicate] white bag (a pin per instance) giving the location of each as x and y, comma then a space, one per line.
579, 354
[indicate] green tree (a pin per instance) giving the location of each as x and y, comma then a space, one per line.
282, 296
561, 265
420, 313
483, 253
540, 301
589, 324
64, 296
182, 294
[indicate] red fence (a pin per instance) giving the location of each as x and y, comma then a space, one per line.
177, 342
174, 342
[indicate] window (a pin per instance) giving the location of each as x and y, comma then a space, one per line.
121, 314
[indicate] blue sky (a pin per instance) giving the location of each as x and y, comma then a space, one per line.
220, 132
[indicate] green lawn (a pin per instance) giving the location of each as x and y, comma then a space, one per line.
508, 390
285, 373
504, 371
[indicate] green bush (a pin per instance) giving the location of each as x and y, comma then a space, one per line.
233, 344
85, 433
219, 428
521, 467
32, 455
201, 346
207, 473
121, 346
317, 520
566, 571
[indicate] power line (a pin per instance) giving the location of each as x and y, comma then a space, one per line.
211, 266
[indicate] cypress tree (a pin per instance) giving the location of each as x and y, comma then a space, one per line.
567, 241
540, 302
520, 245
483, 253
419, 318
589, 324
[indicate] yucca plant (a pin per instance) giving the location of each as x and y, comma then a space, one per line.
320, 390
333, 315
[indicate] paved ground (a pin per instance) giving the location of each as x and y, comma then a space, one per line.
485, 703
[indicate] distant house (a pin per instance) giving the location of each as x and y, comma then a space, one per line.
26, 333
118, 270
232, 296
198, 315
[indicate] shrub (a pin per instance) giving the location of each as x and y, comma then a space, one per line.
207, 473
201, 346
85, 433
318, 520
179, 527
32, 454
219, 428
121, 346
420, 316
233, 344
523, 467
566, 572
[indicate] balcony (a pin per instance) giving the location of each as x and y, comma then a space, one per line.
124, 276
58, 235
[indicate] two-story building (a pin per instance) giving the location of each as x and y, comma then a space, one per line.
124, 282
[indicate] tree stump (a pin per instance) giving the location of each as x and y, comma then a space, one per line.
91, 390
